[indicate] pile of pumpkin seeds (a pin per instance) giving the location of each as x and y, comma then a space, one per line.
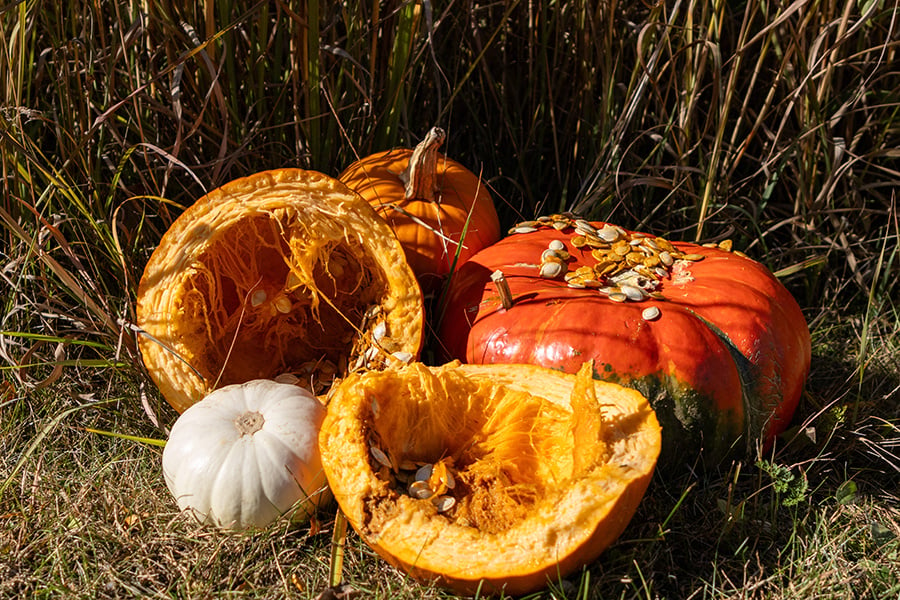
433, 482
629, 267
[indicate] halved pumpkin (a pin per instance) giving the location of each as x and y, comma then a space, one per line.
284, 271
528, 473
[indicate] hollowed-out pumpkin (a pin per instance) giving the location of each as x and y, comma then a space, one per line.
284, 271
528, 473
710, 337
432, 202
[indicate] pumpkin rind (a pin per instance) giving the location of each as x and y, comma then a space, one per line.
271, 274
236, 477
549, 467
723, 364
379, 179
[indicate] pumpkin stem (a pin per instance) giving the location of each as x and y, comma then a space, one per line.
420, 176
502, 288
249, 423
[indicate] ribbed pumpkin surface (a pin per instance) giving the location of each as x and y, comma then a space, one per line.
721, 348
448, 208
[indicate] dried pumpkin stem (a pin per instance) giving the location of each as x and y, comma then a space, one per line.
420, 175
338, 540
502, 288
249, 423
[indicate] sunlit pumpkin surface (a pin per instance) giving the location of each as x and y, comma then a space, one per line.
455, 208
546, 468
716, 343
282, 272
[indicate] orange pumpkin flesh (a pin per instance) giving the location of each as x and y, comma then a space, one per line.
427, 199
549, 469
270, 274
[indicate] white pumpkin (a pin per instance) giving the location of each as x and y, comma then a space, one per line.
246, 454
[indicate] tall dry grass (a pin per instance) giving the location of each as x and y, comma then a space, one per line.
772, 123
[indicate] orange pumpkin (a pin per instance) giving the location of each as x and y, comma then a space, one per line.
282, 272
715, 341
487, 477
436, 206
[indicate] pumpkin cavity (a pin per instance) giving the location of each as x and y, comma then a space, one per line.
503, 449
269, 281
487, 477
282, 274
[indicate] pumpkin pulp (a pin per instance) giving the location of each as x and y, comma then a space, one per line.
547, 469
284, 271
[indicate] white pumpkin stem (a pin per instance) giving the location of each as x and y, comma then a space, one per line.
420, 176
499, 280
249, 423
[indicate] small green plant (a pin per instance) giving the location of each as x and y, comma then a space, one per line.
790, 488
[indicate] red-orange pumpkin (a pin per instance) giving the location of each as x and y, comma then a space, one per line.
719, 347
432, 203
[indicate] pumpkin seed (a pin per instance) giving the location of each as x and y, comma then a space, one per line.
443, 503
257, 298
634, 257
282, 304
522, 229
618, 297
693, 257
726, 245
608, 234
379, 455
287, 378
632, 292
551, 255
380, 331
651, 313
560, 225
666, 258
550, 270
424, 472
651, 261
420, 490
585, 226
557, 245
579, 241
404, 357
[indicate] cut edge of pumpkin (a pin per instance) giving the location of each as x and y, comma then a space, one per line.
580, 499
238, 280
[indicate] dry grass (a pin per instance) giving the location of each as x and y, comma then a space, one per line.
774, 124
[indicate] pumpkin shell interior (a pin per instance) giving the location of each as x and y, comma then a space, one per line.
270, 274
549, 469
